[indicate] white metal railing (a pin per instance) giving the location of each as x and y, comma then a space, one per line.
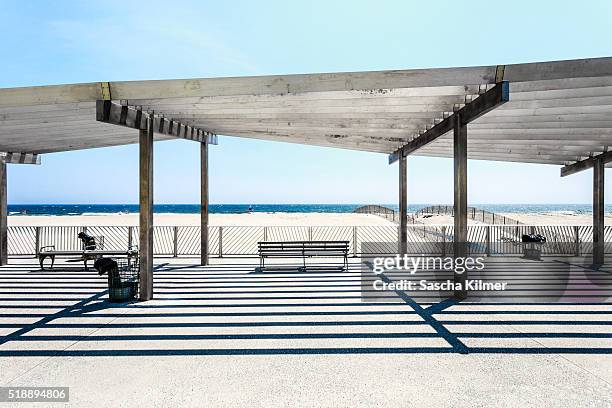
242, 240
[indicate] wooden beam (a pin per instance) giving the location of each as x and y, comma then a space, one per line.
312, 141
460, 199
489, 100
571, 152
403, 206
394, 96
598, 211
3, 216
146, 211
561, 72
372, 81
495, 156
585, 164
204, 203
20, 158
382, 104
128, 116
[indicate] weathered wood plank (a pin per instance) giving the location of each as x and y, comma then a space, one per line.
561, 71
589, 67
303, 83
397, 105
517, 158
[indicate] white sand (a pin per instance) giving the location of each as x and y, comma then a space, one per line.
283, 219
253, 219
443, 219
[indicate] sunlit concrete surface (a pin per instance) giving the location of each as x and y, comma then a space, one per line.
224, 335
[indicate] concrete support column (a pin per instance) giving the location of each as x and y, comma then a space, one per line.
3, 216
403, 206
460, 198
146, 211
598, 212
204, 203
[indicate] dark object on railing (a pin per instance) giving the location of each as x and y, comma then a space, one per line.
88, 241
123, 281
302, 249
533, 238
105, 265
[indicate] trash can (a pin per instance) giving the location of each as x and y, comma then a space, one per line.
532, 246
533, 251
123, 281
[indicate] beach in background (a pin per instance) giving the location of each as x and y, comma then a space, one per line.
279, 214
246, 219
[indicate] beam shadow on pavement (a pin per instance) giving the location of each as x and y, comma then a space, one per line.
225, 309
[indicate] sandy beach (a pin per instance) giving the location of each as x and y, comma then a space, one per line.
283, 219
252, 219
442, 219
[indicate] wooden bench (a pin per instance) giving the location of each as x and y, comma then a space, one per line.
85, 255
91, 250
303, 249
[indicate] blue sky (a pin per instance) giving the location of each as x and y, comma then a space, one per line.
84, 41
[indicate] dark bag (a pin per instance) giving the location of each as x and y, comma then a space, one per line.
105, 265
533, 238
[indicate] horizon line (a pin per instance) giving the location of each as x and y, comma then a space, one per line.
247, 204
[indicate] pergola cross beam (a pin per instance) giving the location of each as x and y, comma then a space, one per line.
128, 116
585, 164
19, 158
497, 95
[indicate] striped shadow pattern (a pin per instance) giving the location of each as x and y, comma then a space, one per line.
227, 309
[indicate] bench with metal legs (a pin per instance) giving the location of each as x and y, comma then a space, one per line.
302, 249
84, 255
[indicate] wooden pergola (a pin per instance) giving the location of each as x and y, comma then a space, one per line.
556, 113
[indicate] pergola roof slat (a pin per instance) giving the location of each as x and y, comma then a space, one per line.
558, 111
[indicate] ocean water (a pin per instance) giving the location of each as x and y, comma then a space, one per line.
91, 209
